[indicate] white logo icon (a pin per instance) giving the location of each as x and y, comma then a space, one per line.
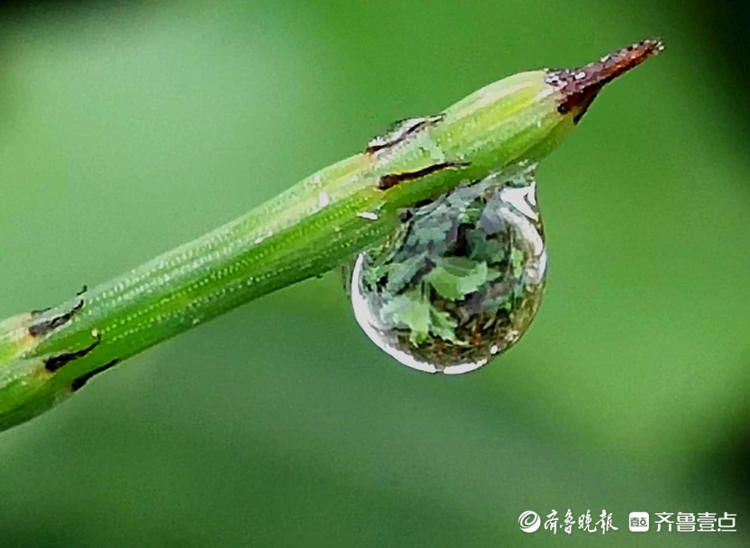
638, 522
529, 521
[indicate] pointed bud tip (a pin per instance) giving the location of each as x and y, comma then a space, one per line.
579, 86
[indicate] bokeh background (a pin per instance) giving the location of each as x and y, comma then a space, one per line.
130, 127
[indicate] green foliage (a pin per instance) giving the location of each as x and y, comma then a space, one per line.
414, 311
455, 277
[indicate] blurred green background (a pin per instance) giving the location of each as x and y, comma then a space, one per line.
128, 128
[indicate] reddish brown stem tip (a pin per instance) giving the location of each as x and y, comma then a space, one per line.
579, 86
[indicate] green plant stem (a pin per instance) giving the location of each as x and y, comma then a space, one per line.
312, 227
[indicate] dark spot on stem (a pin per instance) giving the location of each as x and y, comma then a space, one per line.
45, 326
578, 87
83, 379
392, 179
401, 131
56, 362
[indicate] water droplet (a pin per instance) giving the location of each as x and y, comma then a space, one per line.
461, 281
369, 215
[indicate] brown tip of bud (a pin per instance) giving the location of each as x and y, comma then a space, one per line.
579, 86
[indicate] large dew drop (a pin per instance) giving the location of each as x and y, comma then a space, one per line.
462, 280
